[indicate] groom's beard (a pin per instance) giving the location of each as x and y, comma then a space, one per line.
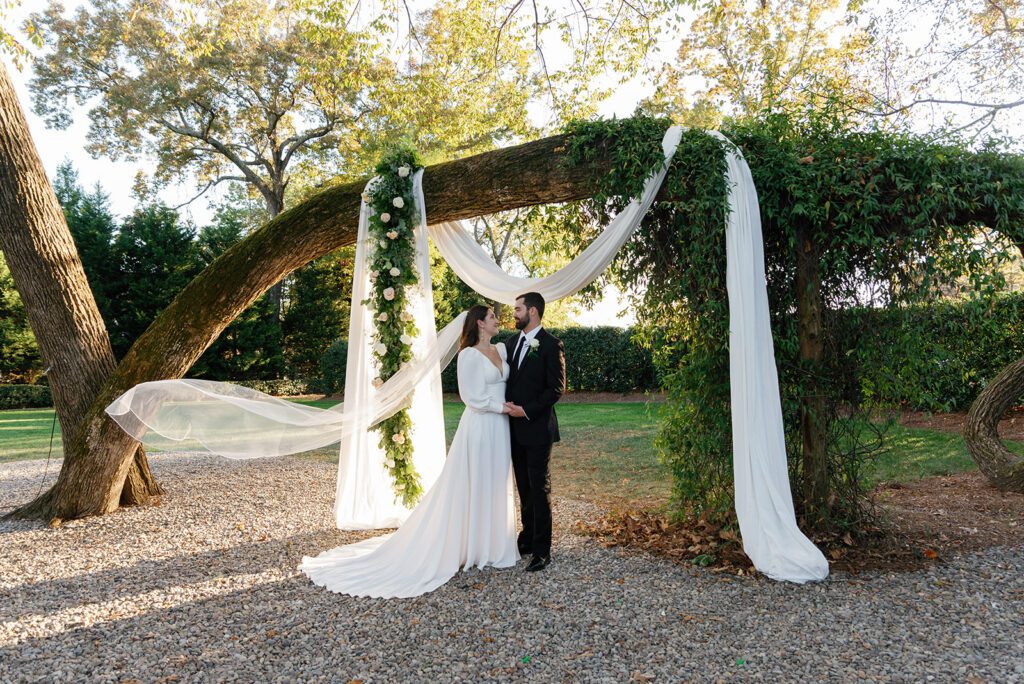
521, 324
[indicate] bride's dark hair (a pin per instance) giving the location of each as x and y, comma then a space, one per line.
470, 329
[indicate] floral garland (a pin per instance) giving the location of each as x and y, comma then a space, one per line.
393, 216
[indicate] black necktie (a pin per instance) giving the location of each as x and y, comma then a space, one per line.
519, 348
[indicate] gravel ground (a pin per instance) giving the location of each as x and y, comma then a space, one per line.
205, 588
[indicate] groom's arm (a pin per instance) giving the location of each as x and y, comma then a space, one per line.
554, 382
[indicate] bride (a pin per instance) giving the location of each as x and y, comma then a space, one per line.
467, 518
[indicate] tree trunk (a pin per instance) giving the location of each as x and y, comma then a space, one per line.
1003, 468
48, 274
812, 403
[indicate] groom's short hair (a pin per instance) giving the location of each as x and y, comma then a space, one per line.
535, 300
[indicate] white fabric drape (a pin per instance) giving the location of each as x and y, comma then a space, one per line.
764, 502
469, 261
365, 495
178, 408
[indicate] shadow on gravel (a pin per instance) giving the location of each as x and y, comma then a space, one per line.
51, 596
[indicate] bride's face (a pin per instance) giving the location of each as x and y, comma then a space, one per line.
489, 325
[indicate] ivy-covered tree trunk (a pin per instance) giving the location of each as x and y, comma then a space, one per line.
814, 457
49, 276
97, 460
1004, 469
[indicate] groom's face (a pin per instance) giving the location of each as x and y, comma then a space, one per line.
521, 315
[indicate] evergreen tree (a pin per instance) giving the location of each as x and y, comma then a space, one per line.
249, 348
92, 226
155, 257
318, 310
20, 360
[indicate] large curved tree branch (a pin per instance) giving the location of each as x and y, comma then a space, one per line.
1003, 468
98, 457
97, 460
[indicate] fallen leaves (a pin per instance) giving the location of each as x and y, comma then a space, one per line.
700, 540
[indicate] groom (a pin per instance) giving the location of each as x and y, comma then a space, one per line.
536, 381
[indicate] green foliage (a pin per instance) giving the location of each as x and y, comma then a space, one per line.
934, 357
318, 311
251, 346
392, 262
333, 366
679, 256
742, 58
13, 43
19, 354
891, 218
600, 359
154, 253
282, 387
92, 226
24, 396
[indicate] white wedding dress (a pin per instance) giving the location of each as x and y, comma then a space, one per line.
466, 519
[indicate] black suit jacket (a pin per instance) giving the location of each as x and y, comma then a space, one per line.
536, 386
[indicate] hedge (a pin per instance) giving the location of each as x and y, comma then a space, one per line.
25, 396
283, 387
602, 359
931, 358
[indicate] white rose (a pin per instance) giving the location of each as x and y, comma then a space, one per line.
400, 487
383, 316
403, 171
405, 316
398, 202
405, 339
395, 272
377, 382
385, 217
534, 344
389, 463
389, 293
393, 234
380, 348
398, 438
383, 244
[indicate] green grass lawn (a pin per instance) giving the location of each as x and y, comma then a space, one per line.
25, 434
606, 453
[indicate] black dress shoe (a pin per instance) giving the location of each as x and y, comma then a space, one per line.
538, 563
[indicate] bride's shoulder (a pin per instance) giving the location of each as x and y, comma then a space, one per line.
500, 346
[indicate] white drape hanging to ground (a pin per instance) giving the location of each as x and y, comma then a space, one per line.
240, 423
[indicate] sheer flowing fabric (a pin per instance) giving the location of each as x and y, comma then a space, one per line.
217, 414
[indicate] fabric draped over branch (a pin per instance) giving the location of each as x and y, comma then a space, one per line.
237, 422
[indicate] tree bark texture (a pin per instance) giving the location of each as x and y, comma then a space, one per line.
1003, 468
48, 273
814, 455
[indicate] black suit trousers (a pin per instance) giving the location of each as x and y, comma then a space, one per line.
533, 481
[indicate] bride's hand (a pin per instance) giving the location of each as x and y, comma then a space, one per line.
506, 409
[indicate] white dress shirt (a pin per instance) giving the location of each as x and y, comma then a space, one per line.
526, 345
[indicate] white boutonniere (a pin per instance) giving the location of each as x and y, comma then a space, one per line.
533, 345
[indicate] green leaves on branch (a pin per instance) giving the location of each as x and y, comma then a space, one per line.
392, 249
892, 218
674, 270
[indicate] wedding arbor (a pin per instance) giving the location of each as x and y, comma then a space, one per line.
528, 174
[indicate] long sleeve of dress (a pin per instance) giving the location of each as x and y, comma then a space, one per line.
472, 384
